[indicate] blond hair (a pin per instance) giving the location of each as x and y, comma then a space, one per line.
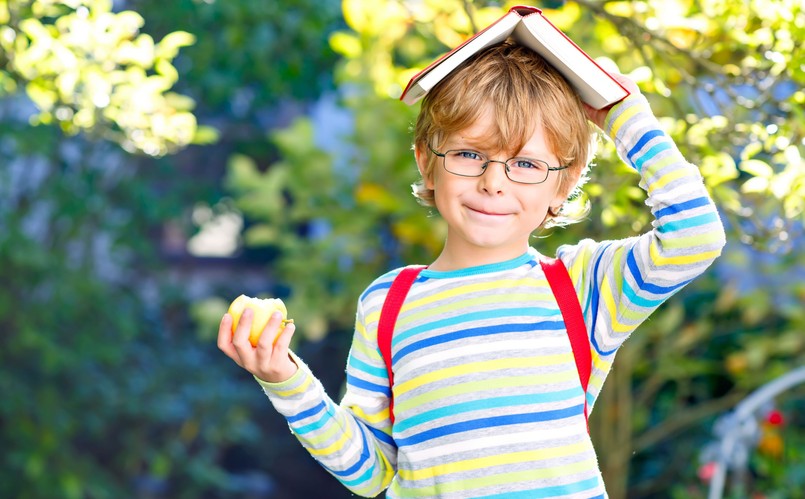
523, 90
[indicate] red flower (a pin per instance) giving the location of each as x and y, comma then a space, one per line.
775, 418
707, 471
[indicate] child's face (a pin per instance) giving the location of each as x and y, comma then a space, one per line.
490, 218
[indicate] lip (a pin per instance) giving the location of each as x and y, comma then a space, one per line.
488, 213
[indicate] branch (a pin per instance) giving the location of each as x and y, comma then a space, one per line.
685, 418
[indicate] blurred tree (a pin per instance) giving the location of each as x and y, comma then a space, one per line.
110, 391
726, 77
91, 70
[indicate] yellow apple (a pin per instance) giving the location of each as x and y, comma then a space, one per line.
263, 309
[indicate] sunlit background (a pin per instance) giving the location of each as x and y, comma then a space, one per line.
157, 159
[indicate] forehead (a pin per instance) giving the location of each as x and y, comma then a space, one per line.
495, 134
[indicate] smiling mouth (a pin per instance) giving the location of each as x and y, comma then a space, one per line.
488, 213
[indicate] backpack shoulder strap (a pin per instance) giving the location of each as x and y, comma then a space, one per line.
388, 318
565, 294
563, 291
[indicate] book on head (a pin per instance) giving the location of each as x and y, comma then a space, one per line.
527, 26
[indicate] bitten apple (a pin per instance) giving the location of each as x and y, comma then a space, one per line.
263, 309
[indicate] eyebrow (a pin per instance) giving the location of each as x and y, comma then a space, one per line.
477, 147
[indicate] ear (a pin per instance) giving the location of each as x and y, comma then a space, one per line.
422, 164
559, 198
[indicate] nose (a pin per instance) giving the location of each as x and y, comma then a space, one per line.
494, 177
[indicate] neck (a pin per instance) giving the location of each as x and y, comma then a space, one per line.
449, 260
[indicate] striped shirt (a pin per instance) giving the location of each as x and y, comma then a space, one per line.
488, 401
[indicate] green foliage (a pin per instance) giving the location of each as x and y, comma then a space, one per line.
252, 54
112, 392
725, 77
116, 388
91, 70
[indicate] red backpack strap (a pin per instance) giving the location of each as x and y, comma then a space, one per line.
388, 318
565, 294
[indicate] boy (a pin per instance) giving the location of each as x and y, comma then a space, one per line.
487, 399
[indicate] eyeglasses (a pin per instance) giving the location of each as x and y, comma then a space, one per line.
468, 163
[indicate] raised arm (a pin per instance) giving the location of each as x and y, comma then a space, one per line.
620, 283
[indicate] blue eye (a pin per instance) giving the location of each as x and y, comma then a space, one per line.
527, 164
471, 155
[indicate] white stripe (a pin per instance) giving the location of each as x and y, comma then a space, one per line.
430, 451
419, 361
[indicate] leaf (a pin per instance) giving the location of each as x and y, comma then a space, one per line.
757, 168
261, 235
205, 135
168, 47
346, 44
755, 185
242, 173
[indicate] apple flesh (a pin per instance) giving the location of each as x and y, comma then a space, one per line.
263, 309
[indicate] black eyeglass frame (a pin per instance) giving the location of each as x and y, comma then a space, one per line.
504, 163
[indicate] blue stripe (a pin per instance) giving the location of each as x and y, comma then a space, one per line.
596, 298
478, 331
489, 403
380, 372
688, 223
366, 385
380, 435
474, 316
643, 141
316, 425
486, 423
554, 491
306, 414
355, 467
634, 269
367, 475
375, 287
365, 455
638, 300
680, 207
651, 154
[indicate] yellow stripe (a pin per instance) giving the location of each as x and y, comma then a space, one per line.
622, 119
470, 289
378, 482
660, 260
339, 444
500, 479
299, 389
475, 303
491, 384
494, 460
600, 363
376, 417
613, 311
691, 241
658, 164
475, 367
666, 179
368, 349
360, 328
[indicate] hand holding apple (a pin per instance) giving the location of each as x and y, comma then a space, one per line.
262, 309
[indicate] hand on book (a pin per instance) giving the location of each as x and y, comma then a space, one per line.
598, 116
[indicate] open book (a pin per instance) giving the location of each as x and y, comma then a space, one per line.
527, 26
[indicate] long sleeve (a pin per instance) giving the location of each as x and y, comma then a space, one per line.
620, 283
351, 440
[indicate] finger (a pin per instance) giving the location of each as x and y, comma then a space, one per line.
283, 341
225, 338
281, 366
267, 338
240, 339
